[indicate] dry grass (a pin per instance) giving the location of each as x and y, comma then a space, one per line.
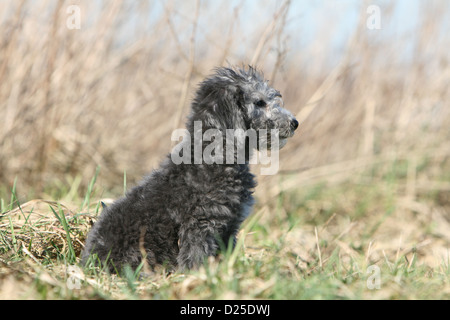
366, 180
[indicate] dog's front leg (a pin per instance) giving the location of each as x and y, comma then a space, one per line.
196, 242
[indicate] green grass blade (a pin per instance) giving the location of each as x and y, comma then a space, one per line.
13, 195
56, 215
87, 198
13, 234
71, 256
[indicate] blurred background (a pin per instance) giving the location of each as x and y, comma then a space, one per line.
90, 91
106, 83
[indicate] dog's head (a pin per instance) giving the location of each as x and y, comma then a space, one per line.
242, 99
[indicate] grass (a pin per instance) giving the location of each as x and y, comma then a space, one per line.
321, 242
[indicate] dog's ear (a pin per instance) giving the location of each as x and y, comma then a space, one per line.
223, 108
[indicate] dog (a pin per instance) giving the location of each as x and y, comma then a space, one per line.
188, 209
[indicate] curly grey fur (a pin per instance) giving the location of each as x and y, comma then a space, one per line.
180, 213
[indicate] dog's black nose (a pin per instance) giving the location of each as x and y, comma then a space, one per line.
294, 124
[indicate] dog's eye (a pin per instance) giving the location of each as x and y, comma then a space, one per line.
260, 103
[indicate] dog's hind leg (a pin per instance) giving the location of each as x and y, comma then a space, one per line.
196, 244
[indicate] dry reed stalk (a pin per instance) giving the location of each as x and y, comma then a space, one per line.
368, 135
49, 107
187, 80
268, 33
319, 254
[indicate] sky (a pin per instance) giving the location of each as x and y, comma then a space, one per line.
309, 17
333, 21
309, 20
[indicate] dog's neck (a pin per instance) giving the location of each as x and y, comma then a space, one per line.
218, 145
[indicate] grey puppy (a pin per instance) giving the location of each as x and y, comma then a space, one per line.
182, 213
